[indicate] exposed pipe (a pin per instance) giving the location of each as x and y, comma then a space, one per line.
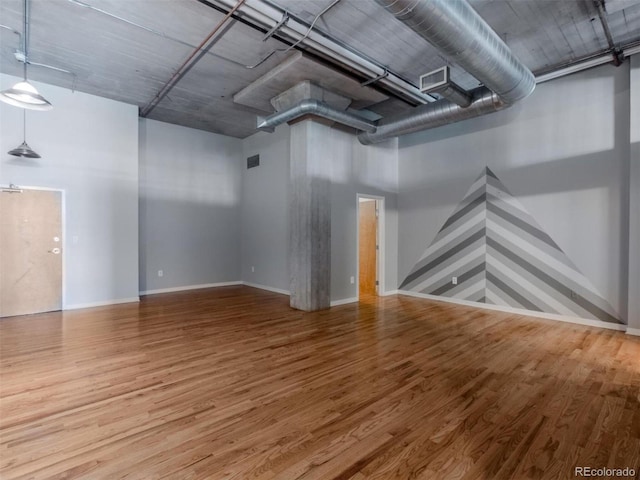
631, 49
602, 13
191, 60
148, 29
456, 95
25, 37
320, 109
300, 40
434, 115
22, 57
461, 35
14, 31
578, 65
484, 101
265, 12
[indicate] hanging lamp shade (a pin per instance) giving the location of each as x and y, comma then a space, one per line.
24, 150
25, 95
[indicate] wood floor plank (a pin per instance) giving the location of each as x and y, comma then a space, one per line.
230, 383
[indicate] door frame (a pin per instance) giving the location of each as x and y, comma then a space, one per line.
380, 241
63, 223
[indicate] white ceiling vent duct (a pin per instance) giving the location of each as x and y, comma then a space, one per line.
439, 81
461, 35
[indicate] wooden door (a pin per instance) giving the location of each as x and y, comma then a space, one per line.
368, 238
30, 252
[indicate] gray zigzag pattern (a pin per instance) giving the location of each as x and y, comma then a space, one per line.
502, 256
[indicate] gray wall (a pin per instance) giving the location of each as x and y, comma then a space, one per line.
563, 153
190, 187
354, 169
371, 170
89, 149
634, 211
265, 204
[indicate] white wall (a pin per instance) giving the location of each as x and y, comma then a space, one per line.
190, 187
563, 153
89, 149
355, 169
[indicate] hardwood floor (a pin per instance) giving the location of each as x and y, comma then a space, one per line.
230, 383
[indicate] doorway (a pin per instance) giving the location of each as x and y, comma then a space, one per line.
30, 251
370, 229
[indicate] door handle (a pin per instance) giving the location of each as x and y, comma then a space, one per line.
55, 251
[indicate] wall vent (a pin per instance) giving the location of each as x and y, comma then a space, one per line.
253, 161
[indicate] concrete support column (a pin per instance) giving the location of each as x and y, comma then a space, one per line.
310, 215
634, 199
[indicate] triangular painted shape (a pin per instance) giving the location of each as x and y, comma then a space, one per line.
500, 255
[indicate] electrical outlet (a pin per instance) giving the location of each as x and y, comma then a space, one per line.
454, 280
353, 279
253, 269
160, 273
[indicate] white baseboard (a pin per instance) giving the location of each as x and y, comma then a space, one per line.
267, 288
390, 292
343, 301
519, 311
333, 303
77, 306
633, 331
190, 287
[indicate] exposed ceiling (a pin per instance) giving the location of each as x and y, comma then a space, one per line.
114, 58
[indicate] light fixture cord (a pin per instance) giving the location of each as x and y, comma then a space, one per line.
25, 38
24, 125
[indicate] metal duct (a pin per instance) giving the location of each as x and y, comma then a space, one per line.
434, 115
320, 109
459, 33
439, 81
455, 94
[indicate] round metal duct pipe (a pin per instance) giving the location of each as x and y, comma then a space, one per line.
461, 35
320, 109
434, 115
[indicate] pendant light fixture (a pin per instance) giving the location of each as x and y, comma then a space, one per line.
24, 150
23, 94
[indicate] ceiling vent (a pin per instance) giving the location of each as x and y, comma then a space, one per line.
432, 81
439, 81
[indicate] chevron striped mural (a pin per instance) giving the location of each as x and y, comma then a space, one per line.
502, 256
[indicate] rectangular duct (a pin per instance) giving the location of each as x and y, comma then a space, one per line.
439, 81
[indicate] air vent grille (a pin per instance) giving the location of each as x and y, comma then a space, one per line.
431, 81
253, 161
